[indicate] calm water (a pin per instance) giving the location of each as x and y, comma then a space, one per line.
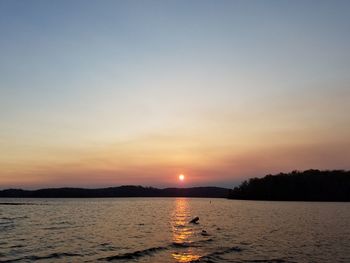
157, 230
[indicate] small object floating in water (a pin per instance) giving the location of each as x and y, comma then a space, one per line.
204, 233
195, 220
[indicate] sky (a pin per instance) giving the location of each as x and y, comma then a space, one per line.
107, 93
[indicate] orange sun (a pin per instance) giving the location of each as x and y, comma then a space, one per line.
181, 177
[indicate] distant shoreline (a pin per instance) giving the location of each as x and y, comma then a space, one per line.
306, 186
117, 192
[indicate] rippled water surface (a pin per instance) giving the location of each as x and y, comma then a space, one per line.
158, 230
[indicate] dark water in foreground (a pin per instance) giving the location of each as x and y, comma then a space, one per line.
157, 230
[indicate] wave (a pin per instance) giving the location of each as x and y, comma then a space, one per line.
214, 256
153, 250
6, 223
13, 218
61, 225
136, 254
50, 256
274, 260
11, 203
7, 226
57, 227
55, 255
192, 243
9, 223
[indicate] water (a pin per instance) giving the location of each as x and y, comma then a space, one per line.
157, 230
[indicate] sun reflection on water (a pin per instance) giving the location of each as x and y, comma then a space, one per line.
182, 232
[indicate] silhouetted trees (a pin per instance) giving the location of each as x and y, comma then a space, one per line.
310, 185
121, 191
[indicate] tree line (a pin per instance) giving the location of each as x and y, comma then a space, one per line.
309, 185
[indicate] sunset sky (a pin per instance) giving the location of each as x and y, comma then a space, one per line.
106, 93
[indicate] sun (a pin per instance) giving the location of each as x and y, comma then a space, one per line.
181, 177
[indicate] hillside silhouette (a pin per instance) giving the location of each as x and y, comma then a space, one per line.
121, 191
310, 185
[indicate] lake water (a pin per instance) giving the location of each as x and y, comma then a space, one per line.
158, 230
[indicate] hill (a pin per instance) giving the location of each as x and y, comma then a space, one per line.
121, 191
310, 185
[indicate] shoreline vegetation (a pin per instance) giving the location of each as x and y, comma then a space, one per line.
121, 191
309, 185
